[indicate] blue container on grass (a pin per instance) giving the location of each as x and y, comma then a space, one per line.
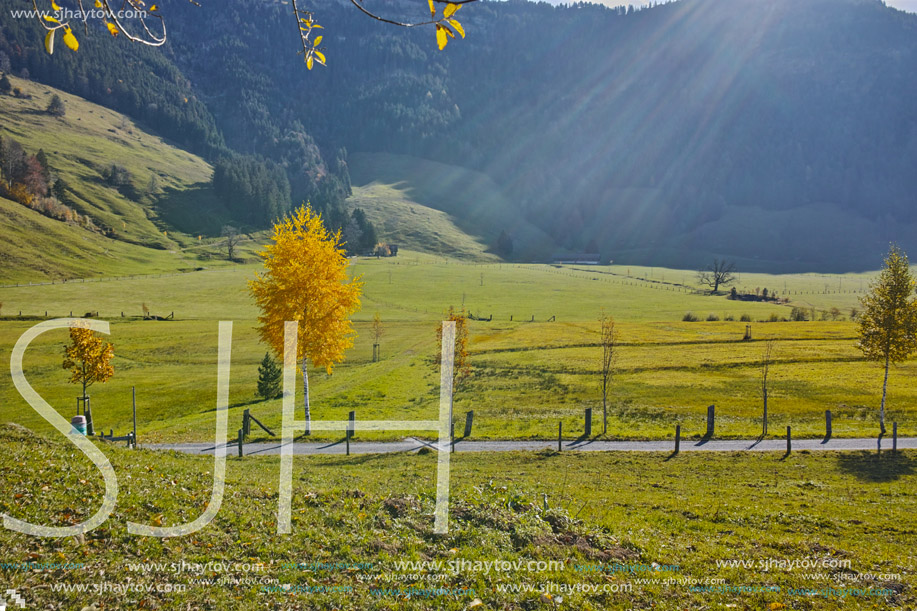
79, 425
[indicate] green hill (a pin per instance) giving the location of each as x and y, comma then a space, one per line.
439, 208
150, 221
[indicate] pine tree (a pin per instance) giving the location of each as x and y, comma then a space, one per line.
270, 374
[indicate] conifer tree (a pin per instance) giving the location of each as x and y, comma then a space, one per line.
270, 374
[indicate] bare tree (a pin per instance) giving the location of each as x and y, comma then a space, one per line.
609, 339
232, 240
765, 370
720, 273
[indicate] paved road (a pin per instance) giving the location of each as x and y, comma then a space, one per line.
412, 445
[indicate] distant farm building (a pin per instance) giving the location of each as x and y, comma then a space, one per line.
578, 259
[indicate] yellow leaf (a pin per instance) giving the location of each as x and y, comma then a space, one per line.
51, 19
155, 7
111, 28
49, 42
318, 41
54, 5
457, 27
441, 37
98, 4
320, 57
309, 62
450, 10
70, 40
432, 8
449, 32
319, 27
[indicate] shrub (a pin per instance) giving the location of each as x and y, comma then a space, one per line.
689, 317
745, 318
773, 318
56, 106
729, 318
712, 318
21, 194
798, 315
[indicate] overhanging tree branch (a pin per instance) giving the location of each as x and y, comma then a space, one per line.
114, 18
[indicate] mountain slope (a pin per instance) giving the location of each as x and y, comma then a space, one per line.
439, 208
140, 222
642, 131
653, 133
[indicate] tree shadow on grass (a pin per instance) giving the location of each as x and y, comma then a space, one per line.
360, 459
873, 467
193, 210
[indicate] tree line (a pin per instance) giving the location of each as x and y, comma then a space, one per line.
29, 180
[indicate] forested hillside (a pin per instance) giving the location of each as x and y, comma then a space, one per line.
780, 132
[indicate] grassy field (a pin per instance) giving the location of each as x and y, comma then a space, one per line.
527, 376
647, 532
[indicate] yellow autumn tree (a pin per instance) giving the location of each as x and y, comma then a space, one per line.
888, 323
461, 366
305, 279
88, 358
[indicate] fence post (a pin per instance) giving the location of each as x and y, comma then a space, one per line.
789, 440
711, 416
677, 438
87, 410
246, 424
560, 434
134, 408
469, 420
351, 417
240, 443
588, 421
828, 424
894, 436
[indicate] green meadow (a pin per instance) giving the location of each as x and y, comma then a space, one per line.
528, 372
645, 531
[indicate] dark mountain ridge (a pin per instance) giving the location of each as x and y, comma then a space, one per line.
779, 132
